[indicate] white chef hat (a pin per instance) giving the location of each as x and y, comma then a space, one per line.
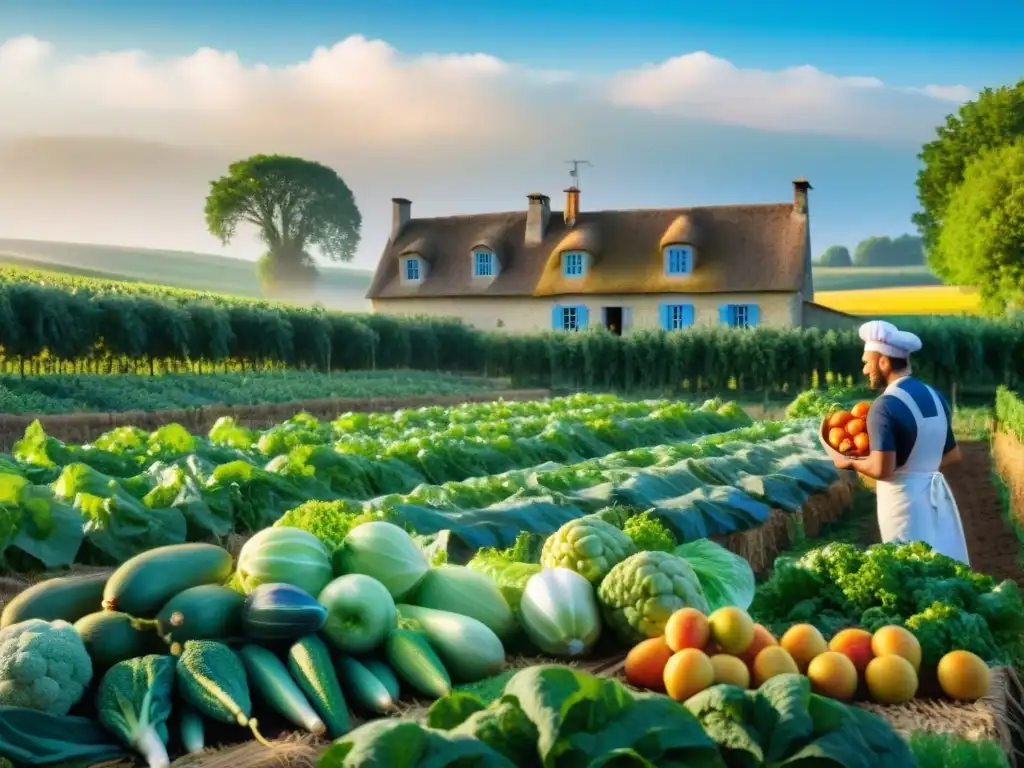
886, 339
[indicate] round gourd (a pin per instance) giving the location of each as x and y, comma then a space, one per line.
559, 612
384, 552
284, 555
281, 612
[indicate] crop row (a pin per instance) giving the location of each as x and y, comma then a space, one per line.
46, 330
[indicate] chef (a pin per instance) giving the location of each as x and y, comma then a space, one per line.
911, 435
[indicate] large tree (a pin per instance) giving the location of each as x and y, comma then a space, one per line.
836, 256
902, 251
981, 243
992, 120
294, 204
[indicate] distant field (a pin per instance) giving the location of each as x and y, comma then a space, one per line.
339, 287
919, 300
863, 278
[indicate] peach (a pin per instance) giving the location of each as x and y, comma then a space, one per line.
773, 660
645, 664
855, 644
688, 672
804, 642
732, 629
730, 671
894, 640
687, 628
833, 675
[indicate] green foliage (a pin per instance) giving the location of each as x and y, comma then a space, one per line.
1010, 412
981, 244
950, 750
294, 204
994, 118
905, 250
836, 256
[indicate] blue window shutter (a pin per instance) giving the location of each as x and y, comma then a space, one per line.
581, 316
556, 317
663, 315
753, 315
688, 315
723, 314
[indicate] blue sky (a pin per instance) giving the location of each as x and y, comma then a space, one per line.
730, 127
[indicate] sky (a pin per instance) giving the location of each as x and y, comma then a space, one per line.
117, 115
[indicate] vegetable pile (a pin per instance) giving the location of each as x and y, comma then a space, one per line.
556, 716
945, 604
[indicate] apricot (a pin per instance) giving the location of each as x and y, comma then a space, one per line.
803, 642
855, 427
732, 629
839, 419
762, 639
891, 680
846, 446
894, 640
772, 661
833, 675
687, 628
645, 663
860, 410
855, 644
964, 676
730, 670
688, 672
836, 435
861, 443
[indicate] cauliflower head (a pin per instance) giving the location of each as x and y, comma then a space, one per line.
587, 545
640, 593
43, 665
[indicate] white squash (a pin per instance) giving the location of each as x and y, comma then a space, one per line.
559, 612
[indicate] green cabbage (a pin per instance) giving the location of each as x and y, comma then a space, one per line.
727, 579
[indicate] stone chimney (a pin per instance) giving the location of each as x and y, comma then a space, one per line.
572, 205
537, 214
401, 212
800, 188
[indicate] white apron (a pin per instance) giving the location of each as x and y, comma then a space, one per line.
916, 504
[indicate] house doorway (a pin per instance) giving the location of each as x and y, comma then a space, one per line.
613, 320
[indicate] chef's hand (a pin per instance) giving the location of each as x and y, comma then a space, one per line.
843, 463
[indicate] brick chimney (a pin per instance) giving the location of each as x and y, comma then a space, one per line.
572, 205
800, 188
401, 212
537, 214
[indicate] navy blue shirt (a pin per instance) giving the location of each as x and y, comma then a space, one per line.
891, 425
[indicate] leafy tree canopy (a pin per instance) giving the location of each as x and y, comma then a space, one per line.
295, 204
902, 251
994, 119
981, 244
836, 256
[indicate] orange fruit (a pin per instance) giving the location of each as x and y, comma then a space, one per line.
836, 435
854, 644
860, 442
687, 673
846, 446
645, 663
891, 679
860, 410
839, 419
804, 642
832, 674
773, 660
964, 676
687, 628
855, 427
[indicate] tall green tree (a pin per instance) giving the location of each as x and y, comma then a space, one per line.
836, 256
981, 244
992, 120
295, 205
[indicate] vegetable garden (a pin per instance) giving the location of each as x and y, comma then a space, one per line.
410, 585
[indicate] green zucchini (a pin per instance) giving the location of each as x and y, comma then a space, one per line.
362, 687
386, 675
193, 732
411, 656
112, 636
206, 612
68, 598
270, 677
142, 585
309, 661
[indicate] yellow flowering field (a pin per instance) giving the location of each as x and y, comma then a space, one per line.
910, 300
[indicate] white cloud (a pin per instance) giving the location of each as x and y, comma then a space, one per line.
364, 94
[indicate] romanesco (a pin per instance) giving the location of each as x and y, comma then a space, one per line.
587, 545
43, 666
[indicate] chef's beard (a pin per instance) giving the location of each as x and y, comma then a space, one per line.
876, 381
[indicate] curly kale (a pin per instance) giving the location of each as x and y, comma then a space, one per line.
649, 534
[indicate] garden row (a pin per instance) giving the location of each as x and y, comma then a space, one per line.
44, 330
1008, 452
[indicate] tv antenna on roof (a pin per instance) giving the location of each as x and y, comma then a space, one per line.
575, 172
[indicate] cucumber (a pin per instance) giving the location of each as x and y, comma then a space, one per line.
281, 612
363, 687
206, 612
309, 661
193, 732
142, 585
111, 636
68, 598
270, 677
411, 656
386, 675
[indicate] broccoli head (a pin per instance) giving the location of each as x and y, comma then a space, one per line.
639, 594
43, 666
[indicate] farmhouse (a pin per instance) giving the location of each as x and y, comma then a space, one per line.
670, 268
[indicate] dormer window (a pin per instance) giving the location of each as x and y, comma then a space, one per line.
678, 260
483, 263
412, 269
574, 263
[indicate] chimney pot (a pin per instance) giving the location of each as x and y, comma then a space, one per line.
572, 205
538, 212
800, 188
401, 212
